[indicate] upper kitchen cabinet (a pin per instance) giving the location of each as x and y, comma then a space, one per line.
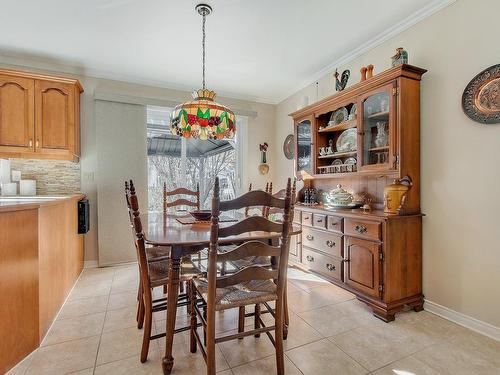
16, 114
39, 116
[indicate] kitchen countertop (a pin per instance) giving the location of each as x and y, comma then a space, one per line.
18, 203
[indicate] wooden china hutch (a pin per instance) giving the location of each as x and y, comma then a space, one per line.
363, 138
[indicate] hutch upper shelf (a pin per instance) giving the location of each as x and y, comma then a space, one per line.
369, 128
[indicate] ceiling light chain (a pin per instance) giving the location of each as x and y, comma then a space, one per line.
203, 44
203, 118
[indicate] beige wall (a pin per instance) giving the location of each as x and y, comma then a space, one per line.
460, 158
260, 128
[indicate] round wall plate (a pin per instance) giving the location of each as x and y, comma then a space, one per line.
289, 147
481, 97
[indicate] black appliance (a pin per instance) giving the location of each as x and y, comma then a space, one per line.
83, 216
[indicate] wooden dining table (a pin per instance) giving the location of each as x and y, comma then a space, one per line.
166, 230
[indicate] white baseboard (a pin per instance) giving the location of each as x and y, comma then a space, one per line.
90, 264
464, 320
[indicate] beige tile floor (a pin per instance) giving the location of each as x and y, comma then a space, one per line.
330, 333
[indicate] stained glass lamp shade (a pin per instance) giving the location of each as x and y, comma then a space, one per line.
203, 118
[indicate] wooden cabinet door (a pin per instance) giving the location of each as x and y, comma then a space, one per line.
55, 131
304, 147
377, 132
362, 266
16, 114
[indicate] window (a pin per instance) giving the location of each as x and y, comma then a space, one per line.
181, 162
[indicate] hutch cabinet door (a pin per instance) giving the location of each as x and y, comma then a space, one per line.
304, 147
377, 140
362, 266
55, 131
16, 114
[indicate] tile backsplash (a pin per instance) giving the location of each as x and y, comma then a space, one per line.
52, 176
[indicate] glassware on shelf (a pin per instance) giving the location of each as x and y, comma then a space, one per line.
376, 128
381, 138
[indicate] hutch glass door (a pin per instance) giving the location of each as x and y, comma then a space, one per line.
304, 147
377, 128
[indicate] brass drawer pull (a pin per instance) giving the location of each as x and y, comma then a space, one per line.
330, 267
310, 237
319, 220
346, 260
310, 258
330, 243
360, 229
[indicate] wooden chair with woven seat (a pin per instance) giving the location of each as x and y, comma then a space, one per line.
153, 254
180, 201
251, 285
240, 263
153, 274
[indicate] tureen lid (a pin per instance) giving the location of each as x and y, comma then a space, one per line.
341, 193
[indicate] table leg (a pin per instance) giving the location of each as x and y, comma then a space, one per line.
172, 296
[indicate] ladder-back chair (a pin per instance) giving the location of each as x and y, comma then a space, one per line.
251, 285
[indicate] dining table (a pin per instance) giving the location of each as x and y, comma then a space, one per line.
184, 240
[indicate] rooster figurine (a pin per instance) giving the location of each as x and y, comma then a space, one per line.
342, 83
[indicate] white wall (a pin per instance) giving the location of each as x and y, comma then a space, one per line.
260, 128
460, 158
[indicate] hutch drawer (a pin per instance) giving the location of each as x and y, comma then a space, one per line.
362, 228
325, 265
307, 218
326, 242
334, 224
319, 221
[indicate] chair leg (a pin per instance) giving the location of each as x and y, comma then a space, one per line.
210, 346
148, 321
192, 311
256, 323
241, 319
287, 316
280, 359
140, 309
204, 328
164, 289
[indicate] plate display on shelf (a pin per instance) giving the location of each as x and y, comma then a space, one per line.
339, 116
337, 162
348, 140
353, 110
350, 161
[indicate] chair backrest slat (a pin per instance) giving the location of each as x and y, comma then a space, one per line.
180, 201
252, 198
251, 224
249, 249
253, 272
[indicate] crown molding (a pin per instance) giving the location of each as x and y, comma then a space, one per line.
427, 11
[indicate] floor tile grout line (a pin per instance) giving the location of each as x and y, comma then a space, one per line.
103, 323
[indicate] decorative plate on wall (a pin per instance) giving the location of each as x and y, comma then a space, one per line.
481, 97
289, 147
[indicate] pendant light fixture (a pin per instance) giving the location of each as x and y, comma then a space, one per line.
203, 118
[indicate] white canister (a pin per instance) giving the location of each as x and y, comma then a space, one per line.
4, 170
27, 187
9, 188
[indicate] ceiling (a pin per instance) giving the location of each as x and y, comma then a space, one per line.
256, 49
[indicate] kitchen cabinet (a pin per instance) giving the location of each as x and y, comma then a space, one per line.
362, 271
39, 116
